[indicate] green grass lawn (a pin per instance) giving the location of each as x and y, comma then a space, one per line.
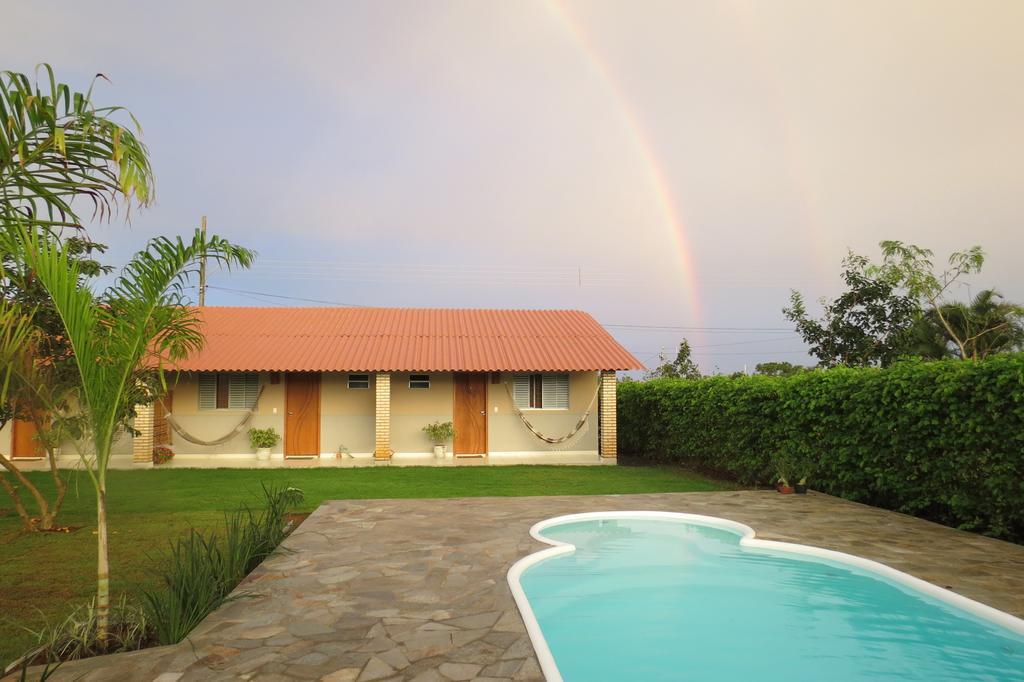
45, 574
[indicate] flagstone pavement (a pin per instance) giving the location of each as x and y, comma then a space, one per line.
415, 590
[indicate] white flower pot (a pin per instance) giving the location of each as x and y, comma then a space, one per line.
263, 454
439, 451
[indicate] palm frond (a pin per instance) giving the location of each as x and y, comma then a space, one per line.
57, 146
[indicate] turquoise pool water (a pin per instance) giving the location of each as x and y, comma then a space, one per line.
664, 599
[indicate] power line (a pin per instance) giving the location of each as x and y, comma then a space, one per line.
250, 294
739, 343
289, 298
670, 328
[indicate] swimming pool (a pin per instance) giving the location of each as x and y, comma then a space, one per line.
662, 596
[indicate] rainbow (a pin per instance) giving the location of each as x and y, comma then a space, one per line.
657, 176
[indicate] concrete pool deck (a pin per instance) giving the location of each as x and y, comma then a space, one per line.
415, 590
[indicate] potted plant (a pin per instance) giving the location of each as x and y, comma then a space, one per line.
784, 469
262, 440
802, 470
162, 454
439, 433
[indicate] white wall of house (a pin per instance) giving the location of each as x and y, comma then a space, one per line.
507, 433
347, 418
346, 414
212, 424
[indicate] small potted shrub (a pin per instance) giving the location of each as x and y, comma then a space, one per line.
802, 470
262, 440
784, 472
439, 434
162, 454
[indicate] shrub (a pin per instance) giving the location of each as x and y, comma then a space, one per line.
263, 438
439, 433
162, 454
203, 568
941, 440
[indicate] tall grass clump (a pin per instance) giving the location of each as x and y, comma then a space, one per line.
77, 636
202, 568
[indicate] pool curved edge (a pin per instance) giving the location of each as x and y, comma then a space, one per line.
747, 539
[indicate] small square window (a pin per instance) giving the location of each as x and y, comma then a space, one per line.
358, 380
419, 381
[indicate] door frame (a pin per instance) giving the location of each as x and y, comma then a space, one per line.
318, 379
487, 420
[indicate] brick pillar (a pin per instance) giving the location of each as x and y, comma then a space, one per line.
382, 418
142, 444
609, 432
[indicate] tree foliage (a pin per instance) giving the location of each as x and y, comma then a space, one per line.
865, 326
121, 340
778, 369
972, 329
987, 325
681, 367
57, 150
57, 147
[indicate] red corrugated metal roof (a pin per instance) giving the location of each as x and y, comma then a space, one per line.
404, 339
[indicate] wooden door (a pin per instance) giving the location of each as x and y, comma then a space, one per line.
302, 414
470, 411
161, 429
23, 439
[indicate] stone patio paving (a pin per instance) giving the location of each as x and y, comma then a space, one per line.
415, 589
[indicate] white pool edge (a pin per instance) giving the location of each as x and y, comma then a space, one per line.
747, 539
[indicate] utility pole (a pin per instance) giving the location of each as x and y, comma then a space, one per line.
202, 267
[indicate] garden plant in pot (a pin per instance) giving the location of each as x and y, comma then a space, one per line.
439, 434
784, 464
262, 440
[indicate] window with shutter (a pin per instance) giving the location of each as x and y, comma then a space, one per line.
521, 390
541, 391
242, 390
223, 391
207, 391
556, 391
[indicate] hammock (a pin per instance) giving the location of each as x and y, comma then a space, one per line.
552, 439
246, 418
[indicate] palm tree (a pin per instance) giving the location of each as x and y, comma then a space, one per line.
57, 146
121, 342
987, 325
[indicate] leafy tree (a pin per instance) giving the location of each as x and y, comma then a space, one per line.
57, 151
778, 369
121, 341
910, 268
867, 325
988, 325
682, 367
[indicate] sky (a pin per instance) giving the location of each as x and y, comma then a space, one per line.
674, 168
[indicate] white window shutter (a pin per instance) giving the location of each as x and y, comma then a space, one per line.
242, 390
556, 391
207, 391
521, 390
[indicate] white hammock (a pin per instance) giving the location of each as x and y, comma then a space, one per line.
246, 418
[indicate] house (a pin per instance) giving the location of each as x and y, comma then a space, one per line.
361, 383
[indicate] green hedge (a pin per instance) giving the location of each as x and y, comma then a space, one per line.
941, 440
